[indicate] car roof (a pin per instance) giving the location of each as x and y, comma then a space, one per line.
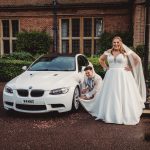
58, 54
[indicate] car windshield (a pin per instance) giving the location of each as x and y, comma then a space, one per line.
58, 63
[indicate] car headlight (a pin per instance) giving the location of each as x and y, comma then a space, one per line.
8, 90
59, 91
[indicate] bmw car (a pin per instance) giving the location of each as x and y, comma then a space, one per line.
49, 84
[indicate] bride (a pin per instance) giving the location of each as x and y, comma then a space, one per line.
122, 96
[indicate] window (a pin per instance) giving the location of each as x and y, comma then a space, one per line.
82, 61
5, 24
65, 46
87, 27
87, 47
80, 35
98, 27
9, 30
65, 28
15, 28
75, 27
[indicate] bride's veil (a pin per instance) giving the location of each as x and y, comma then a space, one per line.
137, 70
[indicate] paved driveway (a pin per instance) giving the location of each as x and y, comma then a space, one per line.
68, 131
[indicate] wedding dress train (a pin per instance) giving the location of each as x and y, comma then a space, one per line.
119, 100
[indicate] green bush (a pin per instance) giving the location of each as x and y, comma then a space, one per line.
11, 68
33, 42
140, 51
19, 56
98, 69
105, 41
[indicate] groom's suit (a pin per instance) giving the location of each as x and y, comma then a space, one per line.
92, 85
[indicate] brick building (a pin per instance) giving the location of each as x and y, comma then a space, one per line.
74, 24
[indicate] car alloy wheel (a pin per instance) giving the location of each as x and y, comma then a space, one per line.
75, 102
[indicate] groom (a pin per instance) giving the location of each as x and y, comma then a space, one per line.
91, 84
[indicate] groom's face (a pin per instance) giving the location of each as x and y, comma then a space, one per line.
89, 73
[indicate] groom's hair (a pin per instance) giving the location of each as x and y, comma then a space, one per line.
88, 68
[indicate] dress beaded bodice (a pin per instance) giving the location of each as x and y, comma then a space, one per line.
119, 61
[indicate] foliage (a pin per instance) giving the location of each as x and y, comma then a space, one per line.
140, 51
105, 41
33, 42
19, 56
11, 68
98, 69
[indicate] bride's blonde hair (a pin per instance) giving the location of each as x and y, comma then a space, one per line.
121, 50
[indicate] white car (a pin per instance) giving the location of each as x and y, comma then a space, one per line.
49, 84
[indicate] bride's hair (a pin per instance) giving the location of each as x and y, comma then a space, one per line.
121, 47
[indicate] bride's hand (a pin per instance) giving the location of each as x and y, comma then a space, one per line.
127, 68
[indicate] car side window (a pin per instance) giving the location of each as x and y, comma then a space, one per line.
85, 61
79, 63
82, 62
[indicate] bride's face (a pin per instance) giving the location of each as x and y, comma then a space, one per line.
116, 44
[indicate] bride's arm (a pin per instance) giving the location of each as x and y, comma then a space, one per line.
102, 61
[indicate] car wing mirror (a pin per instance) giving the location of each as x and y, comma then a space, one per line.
24, 68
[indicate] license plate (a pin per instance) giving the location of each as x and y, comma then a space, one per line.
28, 101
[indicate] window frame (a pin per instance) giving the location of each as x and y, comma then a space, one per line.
81, 38
10, 38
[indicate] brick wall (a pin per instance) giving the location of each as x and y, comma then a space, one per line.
39, 20
114, 20
116, 23
22, 2
139, 24
37, 24
32, 20
42, 2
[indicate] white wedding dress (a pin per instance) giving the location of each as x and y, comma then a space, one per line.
119, 100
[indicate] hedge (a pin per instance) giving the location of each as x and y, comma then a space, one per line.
11, 68
33, 42
105, 40
98, 69
19, 56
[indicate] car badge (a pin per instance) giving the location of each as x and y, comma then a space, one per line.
30, 87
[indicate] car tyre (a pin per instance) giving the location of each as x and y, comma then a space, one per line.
75, 101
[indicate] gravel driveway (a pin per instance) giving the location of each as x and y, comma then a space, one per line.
68, 131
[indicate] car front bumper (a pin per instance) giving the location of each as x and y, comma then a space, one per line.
43, 104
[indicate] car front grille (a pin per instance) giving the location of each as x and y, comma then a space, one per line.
23, 93
37, 93
31, 107
32, 93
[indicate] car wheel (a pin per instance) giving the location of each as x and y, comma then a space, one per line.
75, 101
